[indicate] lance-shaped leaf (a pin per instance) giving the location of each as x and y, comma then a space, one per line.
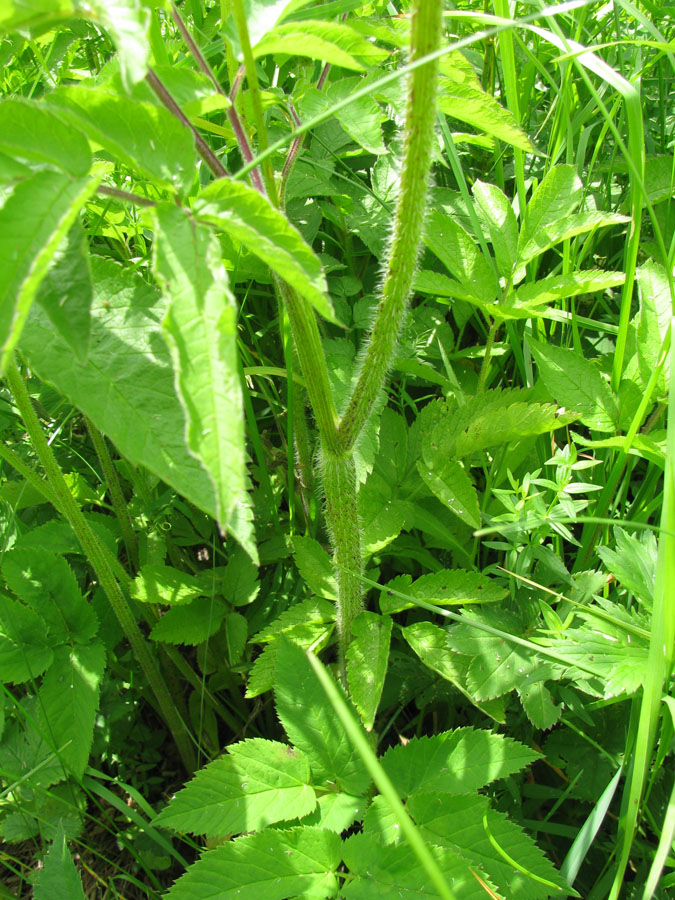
530, 298
200, 328
25, 650
33, 134
654, 322
449, 481
457, 251
447, 587
58, 876
367, 659
501, 223
558, 195
471, 104
242, 213
332, 42
34, 220
258, 783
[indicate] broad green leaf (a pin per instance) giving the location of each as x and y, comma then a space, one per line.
142, 136
272, 865
315, 566
66, 291
332, 42
34, 220
311, 724
191, 623
362, 119
539, 706
261, 678
557, 197
448, 587
471, 104
367, 660
58, 876
261, 17
557, 287
258, 783
502, 225
454, 762
35, 135
16, 14
633, 563
313, 611
394, 871
126, 387
243, 214
449, 481
382, 514
236, 633
69, 702
25, 650
165, 585
240, 579
459, 253
436, 284
656, 310
47, 584
128, 23
563, 229
459, 823
200, 328
576, 384
336, 812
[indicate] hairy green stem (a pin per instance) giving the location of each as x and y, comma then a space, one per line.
98, 559
408, 222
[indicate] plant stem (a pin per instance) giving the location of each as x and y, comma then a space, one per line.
97, 558
408, 221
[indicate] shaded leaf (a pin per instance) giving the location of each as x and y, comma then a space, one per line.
367, 658
58, 876
448, 587
165, 585
449, 481
315, 566
308, 612
192, 623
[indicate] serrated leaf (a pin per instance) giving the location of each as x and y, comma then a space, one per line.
367, 658
539, 706
258, 783
313, 611
128, 23
200, 328
448, 587
25, 650
315, 567
332, 42
311, 724
564, 229
261, 676
69, 702
459, 824
272, 865
35, 135
656, 309
142, 136
240, 579
576, 384
34, 220
454, 762
502, 225
126, 386
58, 876
548, 290
558, 195
633, 562
336, 812
382, 514
192, 623
449, 481
47, 584
165, 585
471, 104
395, 871
243, 214
459, 253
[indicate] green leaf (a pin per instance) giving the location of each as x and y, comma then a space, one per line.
192, 623
459, 253
313, 611
332, 42
25, 650
261, 17
66, 291
656, 309
314, 566
200, 328
576, 384
126, 387
311, 724
242, 213
258, 783
69, 702
35, 135
262, 675
536, 294
128, 23
21, 14
564, 229
34, 220
142, 136
272, 865
454, 762
58, 876
367, 659
633, 562
394, 871
448, 480
539, 706
47, 584
558, 195
240, 579
459, 823
236, 633
502, 225
447, 587
165, 585
362, 119
471, 104
336, 812
382, 514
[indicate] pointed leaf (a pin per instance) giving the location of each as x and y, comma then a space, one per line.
58, 876
272, 865
367, 659
558, 195
563, 229
557, 287
242, 213
34, 220
448, 587
166, 585
200, 328
315, 566
258, 783
576, 384
332, 42
127, 22
458, 252
312, 611
25, 650
191, 623
449, 481
502, 225
311, 724
33, 134
539, 706
471, 104
656, 309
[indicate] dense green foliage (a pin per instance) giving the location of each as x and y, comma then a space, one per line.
336, 465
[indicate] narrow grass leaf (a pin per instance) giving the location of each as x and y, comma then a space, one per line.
588, 832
